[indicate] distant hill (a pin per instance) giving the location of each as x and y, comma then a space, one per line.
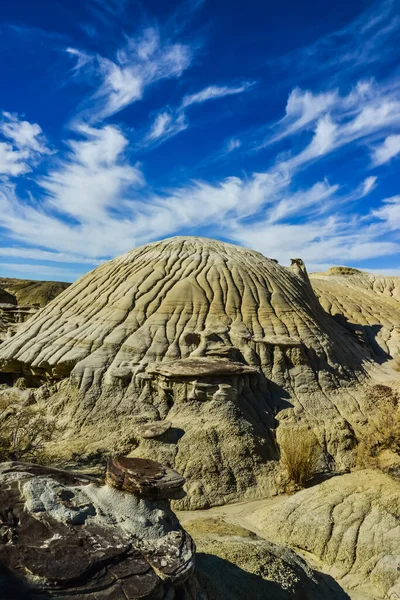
27, 292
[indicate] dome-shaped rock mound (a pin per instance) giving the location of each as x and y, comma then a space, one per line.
214, 338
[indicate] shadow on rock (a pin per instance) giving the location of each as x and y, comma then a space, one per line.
222, 579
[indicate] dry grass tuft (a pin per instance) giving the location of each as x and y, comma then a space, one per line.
382, 431
300, 455
23, 435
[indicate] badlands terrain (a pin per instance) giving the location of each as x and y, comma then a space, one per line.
217, 365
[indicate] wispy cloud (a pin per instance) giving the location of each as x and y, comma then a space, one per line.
214, 91
141, 62
364, 115
233, 144
170, 122
25, 143
166, 125
38, 271
389, 213
369, 39
44, 255
386, 151
88, 180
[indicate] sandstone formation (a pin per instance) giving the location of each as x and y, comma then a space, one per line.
216, 339
366, 305
234, 563
143, 477
64, 535
350, 525
20, 299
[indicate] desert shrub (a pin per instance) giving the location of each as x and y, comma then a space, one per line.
24, 434
300, 455
382, 432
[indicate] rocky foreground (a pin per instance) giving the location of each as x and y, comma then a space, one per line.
69, 535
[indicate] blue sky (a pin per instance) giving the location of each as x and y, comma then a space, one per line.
271, 125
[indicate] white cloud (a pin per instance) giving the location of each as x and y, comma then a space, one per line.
388, 150
142, 62
389, 213
23, 135
233, 144
166, 124
311, 201
329, 239
35, 254
214, 91
39, 271
367, 110
93, 175
169, 123
368, 185
13, 162
25, 144
303, 108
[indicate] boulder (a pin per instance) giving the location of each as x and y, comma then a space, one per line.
144, 478
154, 429
65, 535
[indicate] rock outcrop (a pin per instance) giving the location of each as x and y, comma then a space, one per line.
366, 305
28, 292
350, 525
20, 299
64, 535
216, 339
234, 563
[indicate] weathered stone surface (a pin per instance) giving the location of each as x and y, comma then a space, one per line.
199, 367
20, 299
349, 524
232, 563
63, 535
153, 429
367, 305
143, 477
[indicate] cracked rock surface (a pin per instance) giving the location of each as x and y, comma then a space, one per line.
366, 305
64, 535
349, 524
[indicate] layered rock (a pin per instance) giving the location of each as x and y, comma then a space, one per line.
365, 304
64, 535
218, 340
20, 299
350, 525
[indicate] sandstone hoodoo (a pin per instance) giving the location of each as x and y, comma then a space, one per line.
217, 340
